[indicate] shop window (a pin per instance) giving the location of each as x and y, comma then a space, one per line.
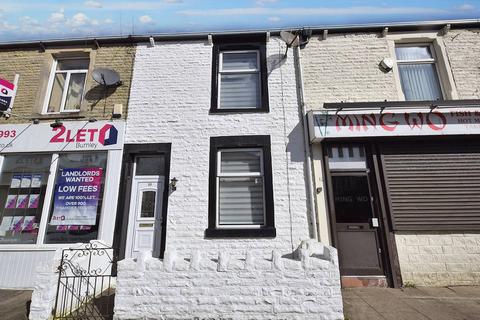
77, 199
241, 195
417, 67
239, 79
23, 183
66, 85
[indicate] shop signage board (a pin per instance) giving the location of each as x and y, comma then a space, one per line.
76, 196
71, 136
392, 123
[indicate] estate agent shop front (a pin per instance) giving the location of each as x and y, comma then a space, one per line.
58, 186
391, 174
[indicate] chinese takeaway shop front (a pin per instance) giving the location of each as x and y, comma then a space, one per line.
58, 188
399, 189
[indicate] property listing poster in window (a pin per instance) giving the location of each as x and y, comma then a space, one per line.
76, 196
23, 181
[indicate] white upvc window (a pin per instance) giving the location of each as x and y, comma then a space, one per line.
239, 80
66, 86
418, 71
240, 188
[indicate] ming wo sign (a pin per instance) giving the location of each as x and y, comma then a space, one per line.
450, 121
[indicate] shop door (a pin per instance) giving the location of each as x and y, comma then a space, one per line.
145, 212
356, 224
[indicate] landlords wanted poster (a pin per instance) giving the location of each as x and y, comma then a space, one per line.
76, 196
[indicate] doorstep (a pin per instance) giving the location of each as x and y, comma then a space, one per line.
363, 281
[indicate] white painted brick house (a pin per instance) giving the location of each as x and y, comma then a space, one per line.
214, 265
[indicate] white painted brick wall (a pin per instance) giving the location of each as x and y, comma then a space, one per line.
213, 285
170, 102
439, 258
45, 288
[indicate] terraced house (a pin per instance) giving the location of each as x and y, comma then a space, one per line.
61, 143
394, 113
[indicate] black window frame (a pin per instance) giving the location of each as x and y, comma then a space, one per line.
230, 43
238, 142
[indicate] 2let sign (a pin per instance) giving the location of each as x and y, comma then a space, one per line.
107, 135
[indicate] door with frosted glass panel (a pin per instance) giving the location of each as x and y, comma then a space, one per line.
146, 202
356, 222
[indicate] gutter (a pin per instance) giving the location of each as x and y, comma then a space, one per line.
352, 28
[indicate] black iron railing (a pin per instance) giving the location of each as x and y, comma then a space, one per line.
86, 283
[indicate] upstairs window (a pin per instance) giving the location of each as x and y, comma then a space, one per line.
417, 67
67, 85
239, 79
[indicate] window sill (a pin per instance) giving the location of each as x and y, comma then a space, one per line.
239, 110
66, 115
267, 232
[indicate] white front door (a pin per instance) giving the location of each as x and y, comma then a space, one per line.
145, 206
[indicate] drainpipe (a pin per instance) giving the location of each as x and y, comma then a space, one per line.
306, 142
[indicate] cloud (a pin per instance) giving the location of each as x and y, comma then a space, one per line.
57, 17
78, 20
145, 19
465, 7
264, 2
5, 26
22, 6
273, 19
348, 11
93, 4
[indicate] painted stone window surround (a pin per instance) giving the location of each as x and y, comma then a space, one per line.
259, 145
50, 56
239, 50
444, 72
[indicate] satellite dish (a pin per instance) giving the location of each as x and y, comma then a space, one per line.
106, 77
292, 40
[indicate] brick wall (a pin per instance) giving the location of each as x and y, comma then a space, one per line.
170, 102
345, 68
439, 258
33, 67
465, 61
213, 285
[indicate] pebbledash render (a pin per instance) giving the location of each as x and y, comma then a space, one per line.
394, 113
219, 116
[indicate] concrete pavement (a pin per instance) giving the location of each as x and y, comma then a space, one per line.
422, 303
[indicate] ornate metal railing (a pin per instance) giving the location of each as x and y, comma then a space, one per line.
86, 283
